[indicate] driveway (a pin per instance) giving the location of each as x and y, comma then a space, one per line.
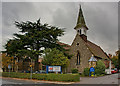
107, 79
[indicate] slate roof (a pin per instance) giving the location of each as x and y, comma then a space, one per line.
65, 46
96, 50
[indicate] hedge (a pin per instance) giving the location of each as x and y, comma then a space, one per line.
86, 71
74, 70
48, 77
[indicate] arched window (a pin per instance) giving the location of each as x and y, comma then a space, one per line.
78, 58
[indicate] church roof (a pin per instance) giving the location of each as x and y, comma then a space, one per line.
80, 20
65, 46
81, 25
96, 50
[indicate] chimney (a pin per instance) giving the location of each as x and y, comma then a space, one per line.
84, 37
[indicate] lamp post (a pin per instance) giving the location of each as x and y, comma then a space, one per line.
31, 68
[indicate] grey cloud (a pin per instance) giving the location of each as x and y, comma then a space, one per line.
101, 19
11, 12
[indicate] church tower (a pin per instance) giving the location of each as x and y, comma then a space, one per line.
81, 27
82, 49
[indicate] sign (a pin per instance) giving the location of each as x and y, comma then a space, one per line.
92, 69
53, 69
9, 66
57, 68
50, 68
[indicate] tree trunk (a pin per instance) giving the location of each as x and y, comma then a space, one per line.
36, 66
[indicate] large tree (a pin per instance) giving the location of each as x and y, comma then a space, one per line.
55, 57
32, 37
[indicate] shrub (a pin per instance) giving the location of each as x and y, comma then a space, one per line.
49, 77
74, 70
100, 68
86, 71
40, 76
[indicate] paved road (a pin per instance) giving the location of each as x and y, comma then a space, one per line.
30, 82
108, 79
19, 81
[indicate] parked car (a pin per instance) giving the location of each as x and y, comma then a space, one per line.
107, 71
114, 70
40, 71
25, 71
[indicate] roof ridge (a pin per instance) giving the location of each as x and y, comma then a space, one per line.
93, 43
96, 46
64, 43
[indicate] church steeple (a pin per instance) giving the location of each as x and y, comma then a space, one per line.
80, 17
81, 27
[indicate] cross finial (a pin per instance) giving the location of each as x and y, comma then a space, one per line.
80, 5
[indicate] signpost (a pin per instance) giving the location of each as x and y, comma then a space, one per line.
31, 71
53, 69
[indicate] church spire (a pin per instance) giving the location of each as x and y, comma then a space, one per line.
80, 20
80, 17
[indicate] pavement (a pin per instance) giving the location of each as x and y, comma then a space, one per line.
107, 79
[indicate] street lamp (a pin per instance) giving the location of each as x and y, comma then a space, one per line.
31, 68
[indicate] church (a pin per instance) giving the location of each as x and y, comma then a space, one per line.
82, 49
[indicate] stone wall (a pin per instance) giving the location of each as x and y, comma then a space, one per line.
85, 54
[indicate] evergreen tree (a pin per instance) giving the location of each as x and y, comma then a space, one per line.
32, 37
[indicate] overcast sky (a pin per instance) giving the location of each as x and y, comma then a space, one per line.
101, 19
